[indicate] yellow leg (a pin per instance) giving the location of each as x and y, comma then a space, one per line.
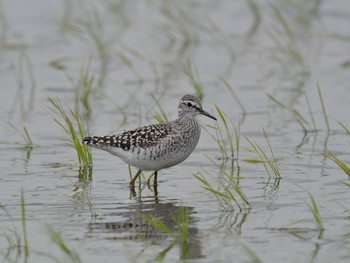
132, 182
155, 178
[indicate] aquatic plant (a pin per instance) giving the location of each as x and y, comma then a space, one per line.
24, 228
339, 162
227, 191
289, 56
224, 136
345, 183
68, 122
330, 155
161, 117
84, 87
251, 253
233, 93
315, 213
299, 117
56, 238
270, 163
25, 135
180, 237
17, 244
192, 76
323, 107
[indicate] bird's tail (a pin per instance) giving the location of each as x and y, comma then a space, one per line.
98, 141
90, 140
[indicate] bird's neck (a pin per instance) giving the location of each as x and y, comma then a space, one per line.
187, 120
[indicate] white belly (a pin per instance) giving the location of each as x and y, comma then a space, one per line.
149, 159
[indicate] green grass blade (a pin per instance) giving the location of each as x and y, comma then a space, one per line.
24, 228
323, 107
339, 162
158, 224
69, 123
315, 212
57, 239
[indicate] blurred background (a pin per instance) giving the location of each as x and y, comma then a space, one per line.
268, 181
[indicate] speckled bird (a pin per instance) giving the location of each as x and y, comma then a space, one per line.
158, 146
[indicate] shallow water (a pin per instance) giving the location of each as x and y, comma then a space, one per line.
133, 49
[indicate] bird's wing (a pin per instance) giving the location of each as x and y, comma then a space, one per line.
141, 137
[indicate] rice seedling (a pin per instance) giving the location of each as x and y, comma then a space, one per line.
25, 135
315, 213
161, 117
310, 111
229, 87
24, 228
227, 192
345, 183
345, 167
305, 125
24, 71
18, 244
193, 78
180, 237
181, 23
84, 87
299, 118
255, 10
290, 55
345, 128
70, 255
90, 30
339, 162
270, 163
126, 61
251, 254
323, 107
224, 136
68, 122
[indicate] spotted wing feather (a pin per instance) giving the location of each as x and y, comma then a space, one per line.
141, 137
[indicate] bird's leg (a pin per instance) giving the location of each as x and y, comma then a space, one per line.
155, 178
132, 182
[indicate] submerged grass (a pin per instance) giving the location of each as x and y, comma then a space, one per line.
18, 245
24, 228
251, 254
305, 125
227, 192
339, 162
323, 107
299, 118
345, 167
231, 90
224, 136
68, 122
345, 183
192, 76
56, 238
25, 135
289, 55
161, 117
315, 213
84, 87
270, 163
180, 238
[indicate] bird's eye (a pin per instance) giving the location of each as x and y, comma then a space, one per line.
189, 104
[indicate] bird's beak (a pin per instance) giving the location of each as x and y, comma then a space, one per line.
203, 112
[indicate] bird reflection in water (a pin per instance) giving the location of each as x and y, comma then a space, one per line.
133, 222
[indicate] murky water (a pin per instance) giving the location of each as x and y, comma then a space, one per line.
134, 50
